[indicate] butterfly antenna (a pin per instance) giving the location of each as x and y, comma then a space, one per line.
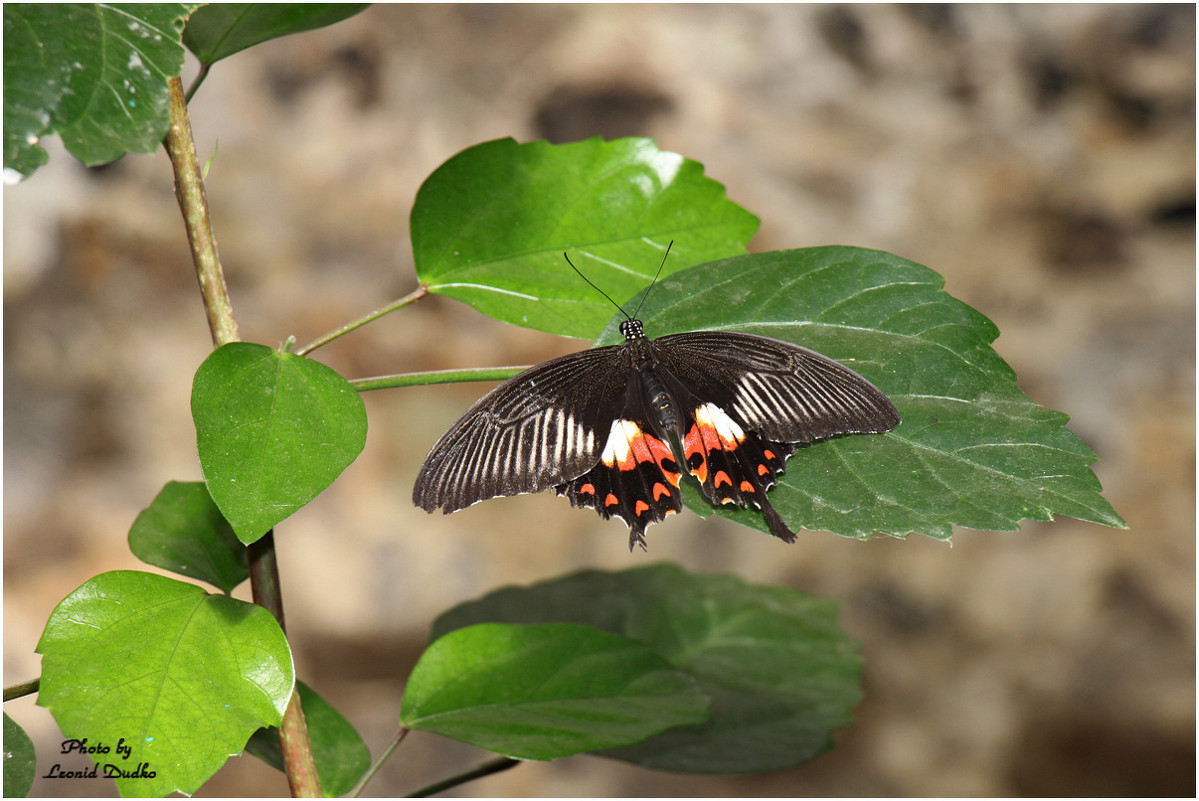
651, 283
593, 286
605, 294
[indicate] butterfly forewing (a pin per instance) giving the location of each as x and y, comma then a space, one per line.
536, 430
782, 391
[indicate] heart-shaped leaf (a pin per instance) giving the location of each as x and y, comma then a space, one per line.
781, 673
547, 691
180, 677
490, 225
973, 450
95, 74
183, 531
273, 431
218, 30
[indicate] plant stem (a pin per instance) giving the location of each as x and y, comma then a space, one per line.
325, 339
264, 573
486, 769
435, 377
302, 777
189, 190
18, 690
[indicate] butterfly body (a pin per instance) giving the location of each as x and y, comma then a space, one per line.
615, 428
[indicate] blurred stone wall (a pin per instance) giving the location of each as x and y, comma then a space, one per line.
1042, 158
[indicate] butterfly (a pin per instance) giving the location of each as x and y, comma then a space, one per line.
614, 428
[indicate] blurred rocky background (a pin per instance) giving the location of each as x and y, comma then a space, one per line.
1040, 157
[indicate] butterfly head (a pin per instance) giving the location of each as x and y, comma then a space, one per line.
632, 330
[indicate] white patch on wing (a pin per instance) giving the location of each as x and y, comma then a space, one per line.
726, 427
620, 439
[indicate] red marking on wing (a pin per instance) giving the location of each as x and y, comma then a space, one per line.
643, 448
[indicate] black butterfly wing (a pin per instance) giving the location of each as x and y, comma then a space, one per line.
745, 401
785, 392
538, 429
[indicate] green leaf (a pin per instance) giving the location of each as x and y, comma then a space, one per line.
95, 74
20, 761
972, 450
181, 677
490, 225
341, 756
183, 531
273, 430
547, 691
218, 30
781, 673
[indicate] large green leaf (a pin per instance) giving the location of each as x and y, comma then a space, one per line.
20, 760
546, 691
781, 673
973, 450
490, 225
218, 30
181, 677
95, 74
273, 431
183, 531
341, 757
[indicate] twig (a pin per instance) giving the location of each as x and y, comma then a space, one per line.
189, 189
325, 339
18, 690
435, 377
486, 769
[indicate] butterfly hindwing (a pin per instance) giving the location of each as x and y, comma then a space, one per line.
534, 431
637, 475
734, 465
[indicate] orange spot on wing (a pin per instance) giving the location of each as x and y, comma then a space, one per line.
721, 478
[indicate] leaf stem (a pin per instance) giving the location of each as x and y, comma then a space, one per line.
370, 774
436, 377
19, 690
264, 572
200, 76
325, 339
486, 769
